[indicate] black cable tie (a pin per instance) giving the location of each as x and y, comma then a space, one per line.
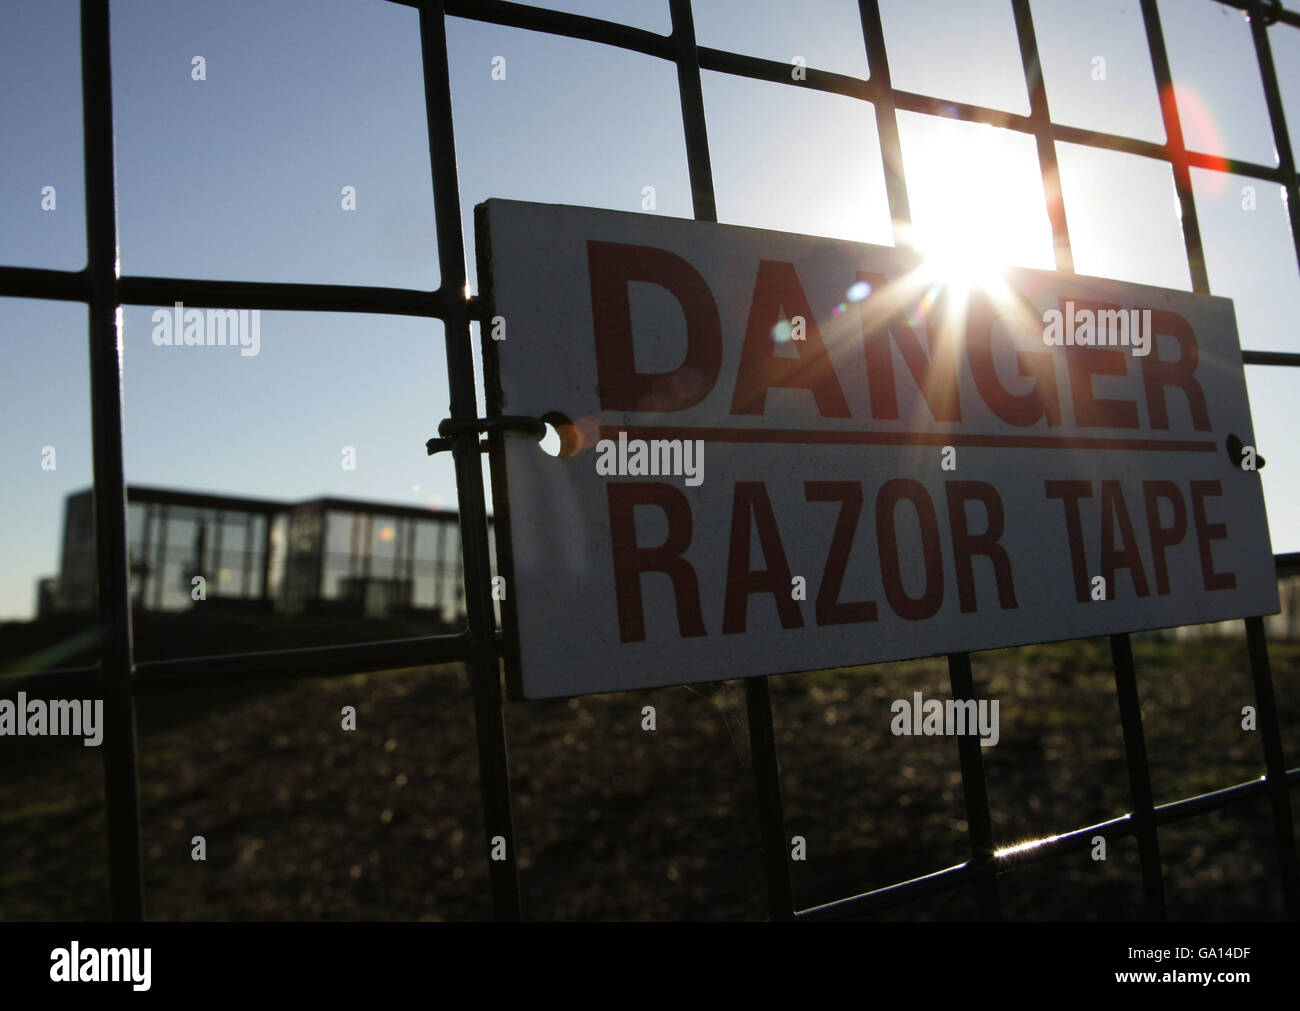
449, 430
1235, 447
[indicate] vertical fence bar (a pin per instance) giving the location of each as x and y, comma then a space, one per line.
1121, 646
146, 538
121, 786
1281, 135
160, 566
268, 520
1139, 777
1175, 146
767, 786
975, 791
1260, 669
1275, 766
758, 698
1042, 120
494, 771
694, 124
882, 97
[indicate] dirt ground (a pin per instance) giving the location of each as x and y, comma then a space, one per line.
303, 820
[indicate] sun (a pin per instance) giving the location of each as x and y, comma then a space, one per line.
973, 215
963, 263
967, 243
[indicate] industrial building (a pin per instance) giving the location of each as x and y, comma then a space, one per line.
322, 556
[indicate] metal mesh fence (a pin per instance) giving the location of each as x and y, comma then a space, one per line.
119, 676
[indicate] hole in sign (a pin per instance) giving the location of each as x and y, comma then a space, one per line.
562, 437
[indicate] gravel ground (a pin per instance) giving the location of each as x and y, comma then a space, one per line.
304, 820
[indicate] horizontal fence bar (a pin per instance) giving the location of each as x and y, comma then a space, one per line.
891, 896
25, 282
74, 286
1291, 358
1234, 166
310, 662
1164, 152
1204, 803
758, 69
960, 875
266, 295
77, 680
571, 26
509, 13
33, 282
1276, 14
942, 108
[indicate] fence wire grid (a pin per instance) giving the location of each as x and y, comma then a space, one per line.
119, 677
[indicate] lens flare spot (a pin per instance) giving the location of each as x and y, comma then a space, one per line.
859, 291
1203, 134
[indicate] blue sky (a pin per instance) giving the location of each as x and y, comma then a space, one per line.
239, 177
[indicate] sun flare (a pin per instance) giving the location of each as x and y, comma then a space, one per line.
971, 245
973, 214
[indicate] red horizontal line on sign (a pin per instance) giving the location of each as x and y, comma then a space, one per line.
845, 438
